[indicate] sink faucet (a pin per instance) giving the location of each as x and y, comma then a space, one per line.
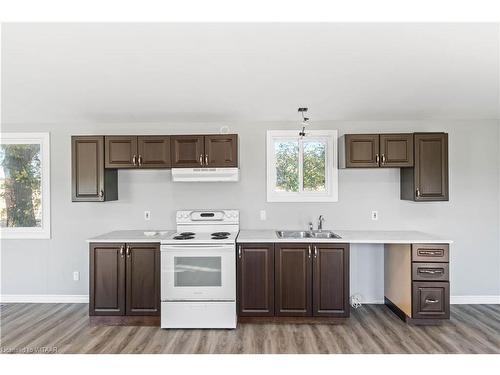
320, 223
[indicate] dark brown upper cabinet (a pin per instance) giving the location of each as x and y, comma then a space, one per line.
255, 270
90, 182
142, 279
362, 150
378, 150
153, 151
331, 280
293, 278
191, 151
396, 150
124, 279
428, 179
188, 151
123, 151
107, 279
221, 150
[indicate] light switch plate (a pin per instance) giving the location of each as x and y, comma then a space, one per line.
374, 215
76, 276
263, 215
147, 215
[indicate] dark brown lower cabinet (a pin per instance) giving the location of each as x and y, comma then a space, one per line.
293, 278
331, 280
124, 279
255, 270
416, 282
107, 279
142, 279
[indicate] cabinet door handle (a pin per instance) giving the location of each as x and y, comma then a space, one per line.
418, 192
139, 159
128, 250
315, 251
309, 251
383, 158
431, 300
201, 159
101, 194
377, 158
239, 251
134, 160
122, 248
206, 159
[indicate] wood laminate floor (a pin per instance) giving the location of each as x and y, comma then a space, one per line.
65, 328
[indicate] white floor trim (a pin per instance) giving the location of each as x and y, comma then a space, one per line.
44, 298
475, 300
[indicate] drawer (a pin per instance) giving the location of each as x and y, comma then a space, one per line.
431, 300
430, 271
430, 252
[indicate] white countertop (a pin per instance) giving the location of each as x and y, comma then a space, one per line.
350, 236
132, 236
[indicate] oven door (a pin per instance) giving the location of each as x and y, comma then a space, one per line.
198, 272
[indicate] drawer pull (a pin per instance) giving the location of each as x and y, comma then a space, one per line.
429, 252
431, 300
430, 271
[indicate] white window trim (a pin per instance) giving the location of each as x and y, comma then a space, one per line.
44, 140
331, 194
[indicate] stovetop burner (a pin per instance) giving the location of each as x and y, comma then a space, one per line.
183, 237
220, 234
186, 234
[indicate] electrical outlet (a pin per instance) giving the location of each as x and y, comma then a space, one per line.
147, 215
263, 215
76, 276
374, 215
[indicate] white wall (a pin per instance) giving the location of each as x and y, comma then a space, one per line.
181, 78
470, 218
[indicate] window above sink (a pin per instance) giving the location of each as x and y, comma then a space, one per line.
302, 169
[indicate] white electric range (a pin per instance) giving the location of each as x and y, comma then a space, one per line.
198, 270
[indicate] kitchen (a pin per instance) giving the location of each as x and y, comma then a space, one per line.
187, 223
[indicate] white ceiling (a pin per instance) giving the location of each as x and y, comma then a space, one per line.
241, 72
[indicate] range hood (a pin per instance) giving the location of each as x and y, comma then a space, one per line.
205, 174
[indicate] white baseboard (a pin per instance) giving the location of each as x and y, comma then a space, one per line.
44, 298
475, 300
372, 301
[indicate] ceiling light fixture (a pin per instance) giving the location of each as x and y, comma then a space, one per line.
304, 123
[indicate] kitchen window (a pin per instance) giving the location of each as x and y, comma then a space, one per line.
302, 169
25, 185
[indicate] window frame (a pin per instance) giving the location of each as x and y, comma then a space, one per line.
331, 167
42, 232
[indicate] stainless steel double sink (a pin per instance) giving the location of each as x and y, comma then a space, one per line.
297, 234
